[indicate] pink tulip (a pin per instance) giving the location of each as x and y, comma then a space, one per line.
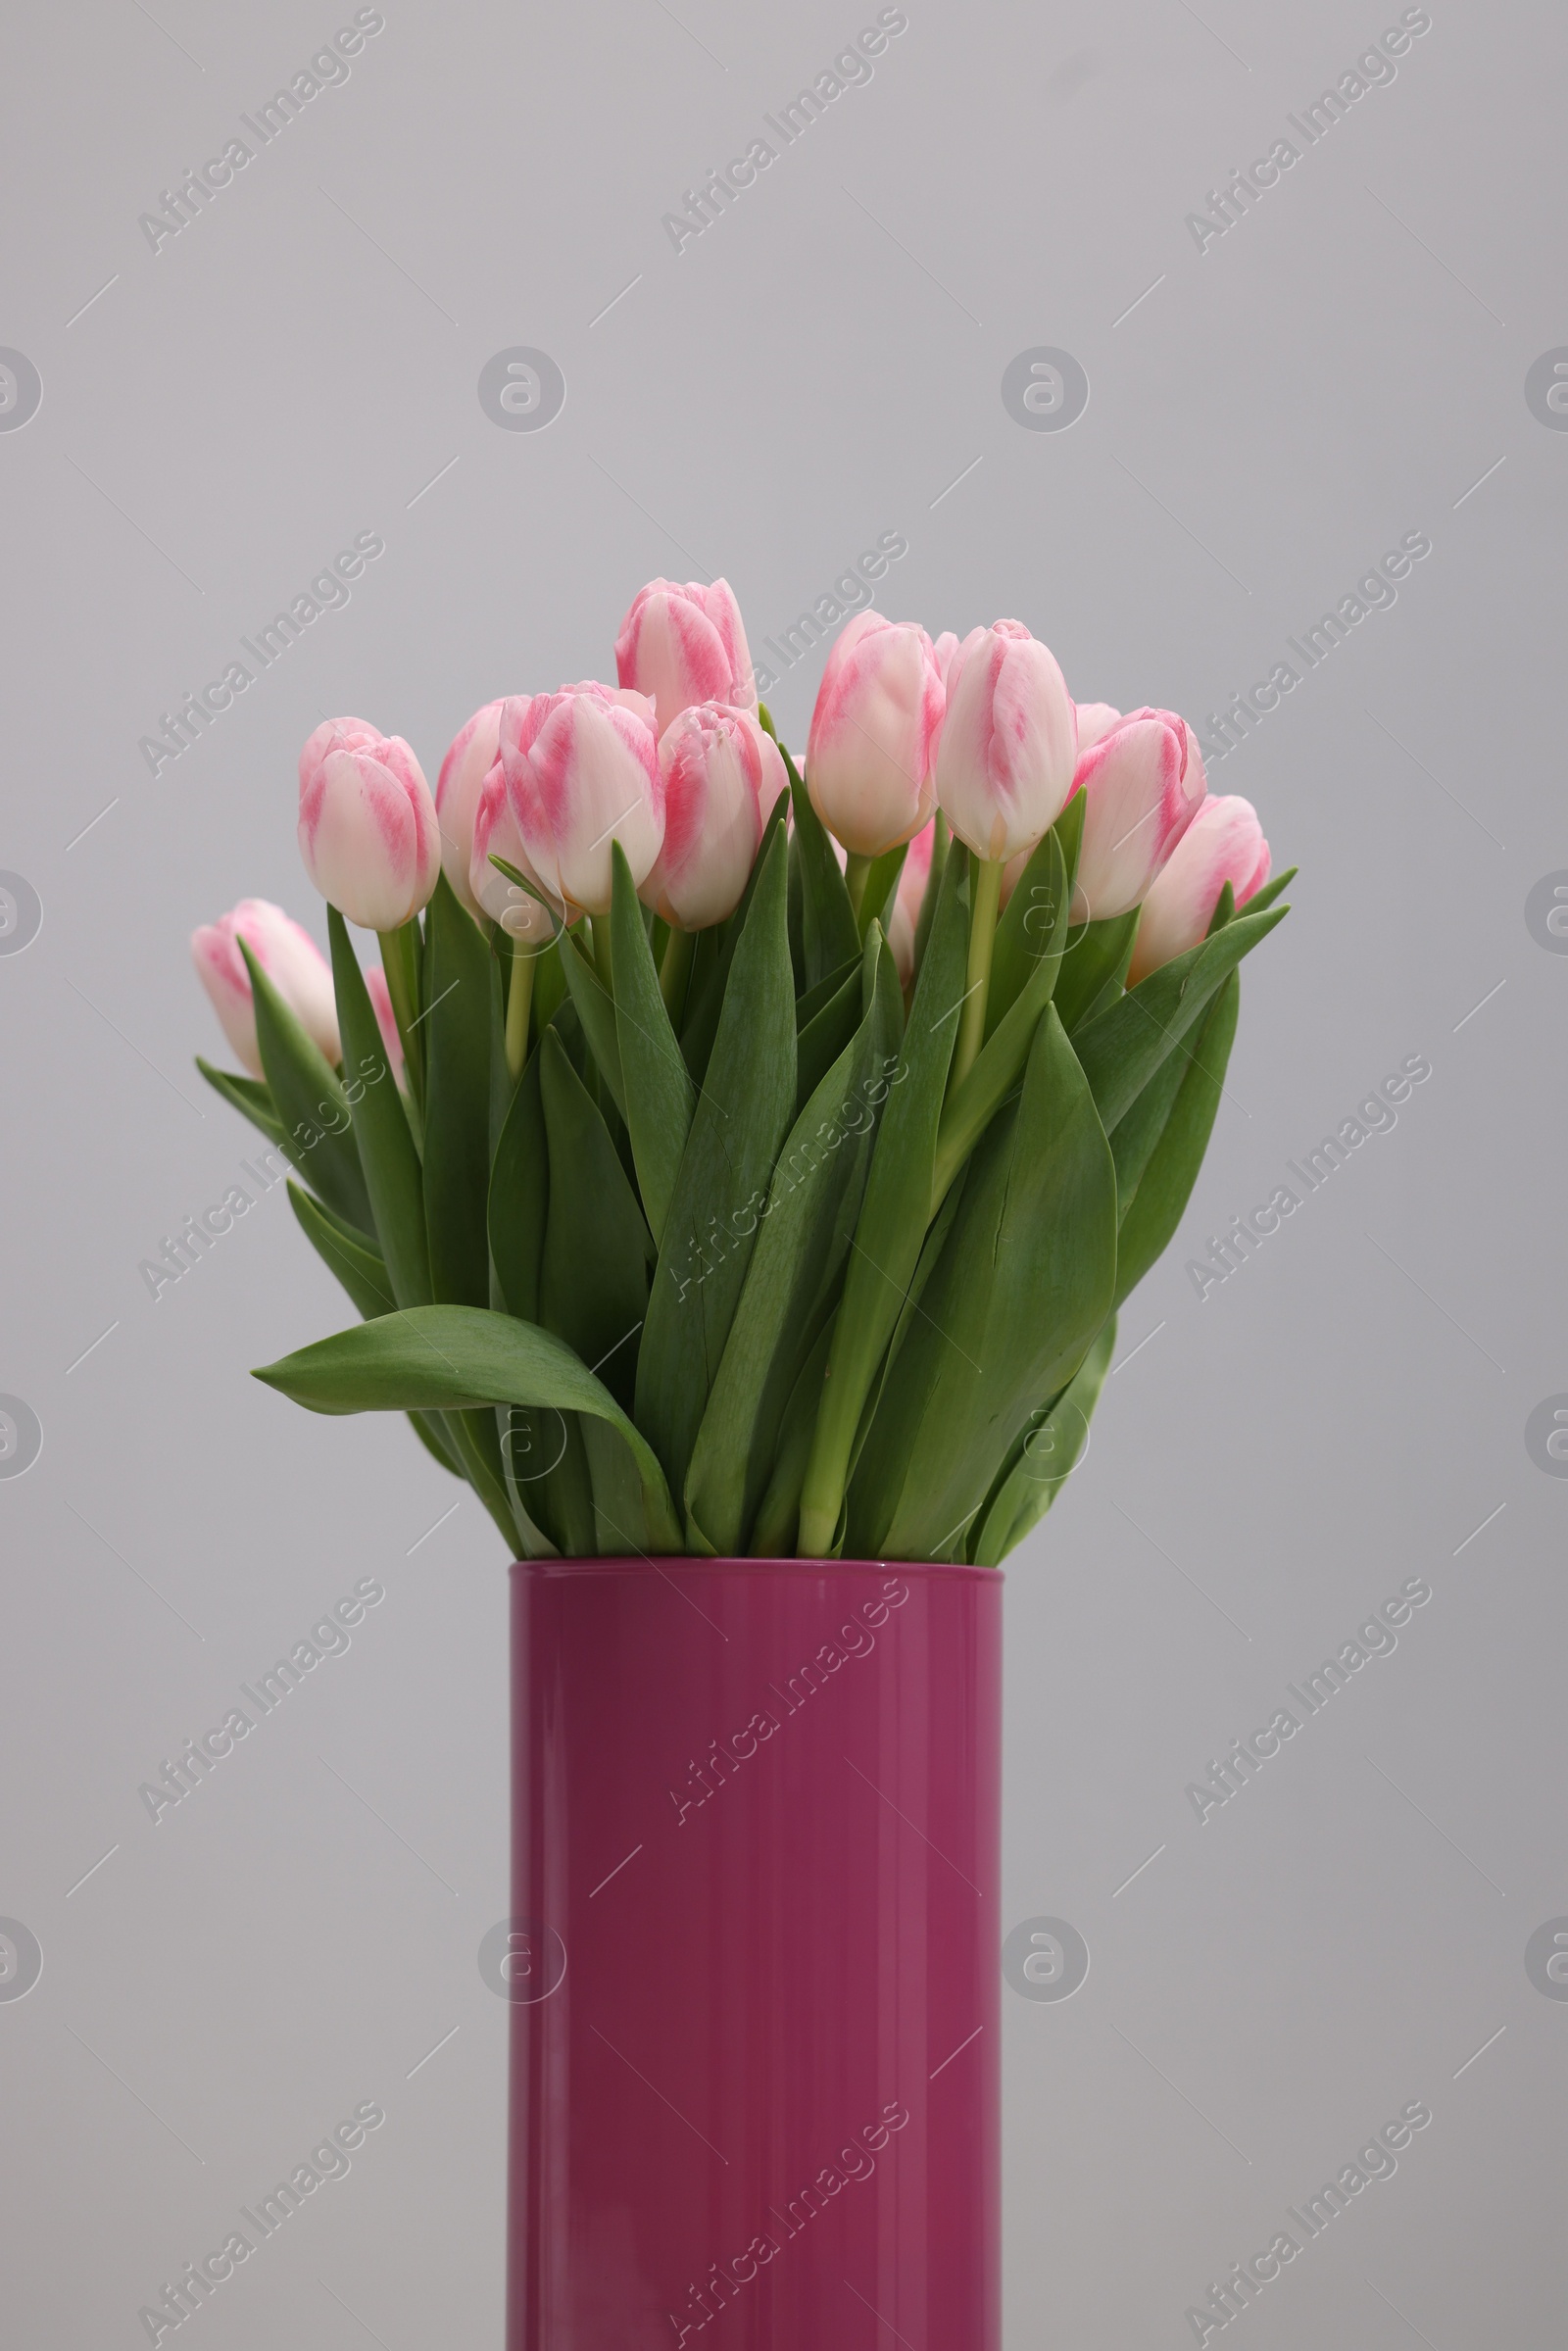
681, 646
945, 647
873, 734
1004, 761
291, 960
722, 776
583, 770
367, 827
1224, 843
495, 831
386, 1020
1095, 718
1143, 783
472, 754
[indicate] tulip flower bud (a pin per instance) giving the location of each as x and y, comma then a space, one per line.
367, 827
581, 769
472, 754
291, 960
1004, 761
722, 776
1095, 718
1143, 783
873, 734
1224, 843
681, 646
386, 1020
495, 831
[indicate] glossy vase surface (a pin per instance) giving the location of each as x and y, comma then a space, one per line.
754, 1956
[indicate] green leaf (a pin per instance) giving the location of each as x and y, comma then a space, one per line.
355, 1260
894, 1214
312, 1106
941, 844
796, 1265
1159, 1198
1121, 1049
595, 1009
1095, 958
519, 1204
454, 1026
457, 1359
429, 1430
660, 1095
252, 1097
807, 1006
1022, 1287
975, 1101
593, 1276
744, 1110
881, 887
387, 1153
1029, 929
716, 953
829, 932
820, 1042
1043, 1457
773, 1530
1276, 887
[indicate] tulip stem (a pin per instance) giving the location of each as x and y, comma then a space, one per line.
675, 971
855, 869
986, 877
519, 998
400, 962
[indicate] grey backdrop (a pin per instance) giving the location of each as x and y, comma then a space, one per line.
823, 364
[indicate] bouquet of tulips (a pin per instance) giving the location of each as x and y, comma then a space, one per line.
735, 1158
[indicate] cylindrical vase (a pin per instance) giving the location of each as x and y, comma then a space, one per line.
754, 1956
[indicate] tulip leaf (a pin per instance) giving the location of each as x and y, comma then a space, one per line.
252, 1097
595, 1009
1028, 929
355, 1258
823, 1039
658, 1086
778, 1514
829, 932
1276, 887
1123, 1047
975, 1101
593, 1274
881, 887
744, 1110
1094, 958
1021, 1289
519, 1204
458, 1360
807, 1006
454, 1025
312, 1106
386, 1147
895, 1212
792, 1284
941, 845
1165, 1182
714, 954
1043, 1457
358, 1265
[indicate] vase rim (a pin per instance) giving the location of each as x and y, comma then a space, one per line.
664, 1563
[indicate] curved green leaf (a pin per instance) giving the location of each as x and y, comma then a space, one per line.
455, 1028
458, 1359
660, 1095
1043, 1457
1122, 1047
1165, 1183
386, 1147
252, 1097
312, 1106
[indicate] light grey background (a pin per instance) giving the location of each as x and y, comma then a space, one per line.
1343, 368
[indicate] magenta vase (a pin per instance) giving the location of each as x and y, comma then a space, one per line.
754, 1956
